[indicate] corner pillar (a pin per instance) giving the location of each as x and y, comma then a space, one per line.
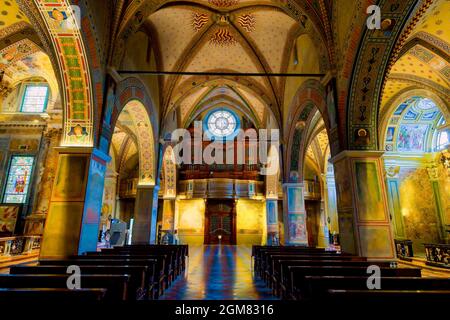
295, 213
73, 219
364, 223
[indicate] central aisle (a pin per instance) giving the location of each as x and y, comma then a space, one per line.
218, 273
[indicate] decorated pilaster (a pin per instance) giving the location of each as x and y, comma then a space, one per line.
362, 206
438, 183
392, 186
74, 212
295, 222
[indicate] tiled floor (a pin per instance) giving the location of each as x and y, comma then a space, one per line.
218, 273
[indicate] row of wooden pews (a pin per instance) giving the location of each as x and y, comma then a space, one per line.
128, 273
314, 274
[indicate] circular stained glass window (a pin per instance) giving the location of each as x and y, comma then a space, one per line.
222, 123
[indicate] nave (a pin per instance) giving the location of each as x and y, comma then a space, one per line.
217, 272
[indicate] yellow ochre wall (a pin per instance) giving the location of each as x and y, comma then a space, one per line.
191, 221
251, 222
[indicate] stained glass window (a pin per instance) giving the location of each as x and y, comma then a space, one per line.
35, 98
18, 179
222, 123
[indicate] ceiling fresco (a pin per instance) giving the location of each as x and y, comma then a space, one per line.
425, 63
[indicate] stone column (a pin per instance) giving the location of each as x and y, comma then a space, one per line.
364, 223
145, 214
73, 219
295, 213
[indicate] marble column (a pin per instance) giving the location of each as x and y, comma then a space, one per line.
145, 215
73, 219
295, 214
364, 225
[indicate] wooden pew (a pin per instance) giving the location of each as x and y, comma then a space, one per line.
51, 294
151, 264
316, 287
297, 275
116, 285
160, 270
280, 276
168, 257
139, 280
267, 267
390, 297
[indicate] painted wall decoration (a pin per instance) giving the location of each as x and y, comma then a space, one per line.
297, 228
169, 170
368, 192
419, 212
295, 200
411, 124
144, 133
390, 134
93, 204
8, 218
411, 137
78, 96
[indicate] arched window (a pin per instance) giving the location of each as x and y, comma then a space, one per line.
442, 136
413, 125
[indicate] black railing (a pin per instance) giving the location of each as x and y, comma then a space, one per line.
404, 249
438, 254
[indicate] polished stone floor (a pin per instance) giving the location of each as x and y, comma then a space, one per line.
218, 273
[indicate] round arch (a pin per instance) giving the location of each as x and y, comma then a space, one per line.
130, 95
393, 105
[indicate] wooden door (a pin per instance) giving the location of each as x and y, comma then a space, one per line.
220, 222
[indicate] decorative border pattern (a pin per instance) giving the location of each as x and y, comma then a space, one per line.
77, 92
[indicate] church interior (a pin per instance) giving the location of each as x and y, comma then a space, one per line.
266, 148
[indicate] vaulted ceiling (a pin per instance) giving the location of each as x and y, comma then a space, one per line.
424, 60
223, 36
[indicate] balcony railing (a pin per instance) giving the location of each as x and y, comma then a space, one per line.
312, 190
438, 254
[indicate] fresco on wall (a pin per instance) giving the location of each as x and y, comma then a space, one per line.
8, 218
411, 137
368, 192
93, 203
297, 228
419, 212
390, 134
295, 199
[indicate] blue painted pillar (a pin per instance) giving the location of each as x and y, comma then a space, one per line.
295, 213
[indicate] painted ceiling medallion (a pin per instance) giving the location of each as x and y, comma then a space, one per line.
222, 37
247, 22
223, 3
199, 20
